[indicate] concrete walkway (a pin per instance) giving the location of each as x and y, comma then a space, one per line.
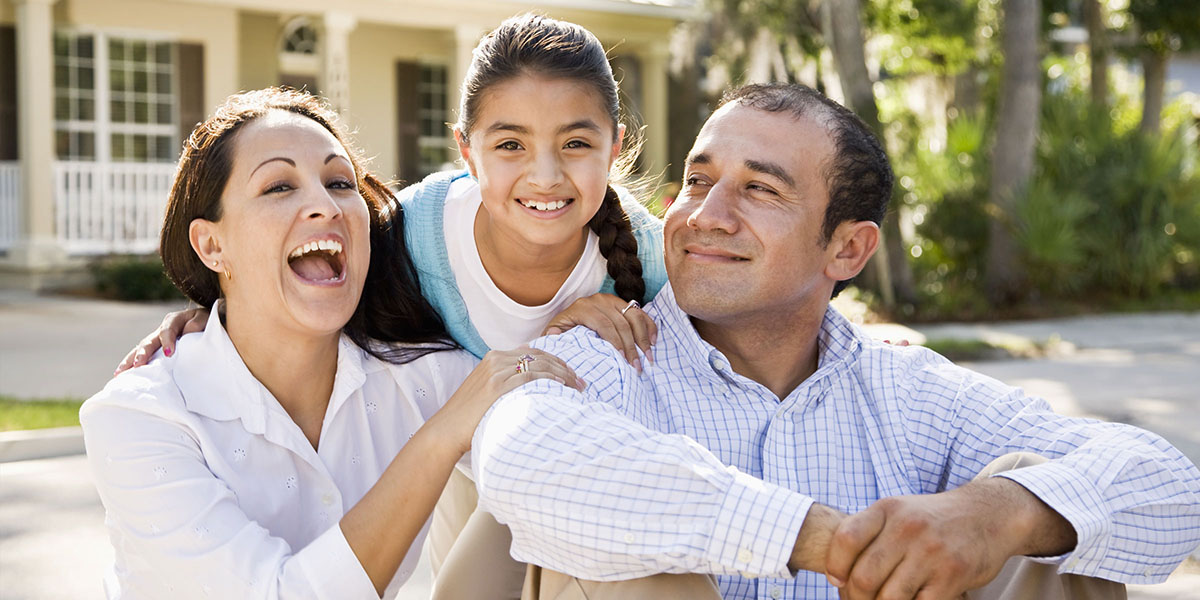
1143, 369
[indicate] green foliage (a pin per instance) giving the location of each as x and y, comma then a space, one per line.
925, 36
37, 414
133, 278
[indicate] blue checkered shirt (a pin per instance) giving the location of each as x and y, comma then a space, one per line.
690, 467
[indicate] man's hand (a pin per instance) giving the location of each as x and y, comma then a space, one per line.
941, 545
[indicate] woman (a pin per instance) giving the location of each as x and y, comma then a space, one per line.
224, 474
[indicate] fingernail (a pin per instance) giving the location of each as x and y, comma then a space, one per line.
834, 581
650, 355
581, 383
637, 364
166, 351
115, 371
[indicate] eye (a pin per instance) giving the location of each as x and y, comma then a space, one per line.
509, 145
278, 188
694, 181
341, 184
576, 145
758, 187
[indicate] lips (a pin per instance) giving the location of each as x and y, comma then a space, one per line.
319, 261
711, 254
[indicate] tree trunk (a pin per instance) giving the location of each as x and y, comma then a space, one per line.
1093, 17
1016, 131
1154, 77
895, 274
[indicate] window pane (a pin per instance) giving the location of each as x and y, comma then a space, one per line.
118, 109
164, 149
140, 151
62, 108
162, 83
139, 51
83, 46
62, 45
119, 148
117, 80
164, 113
162, 53
87, 110
62, 144
116, 50
86, 78
141, 112
141, 82
62, 76
86, 148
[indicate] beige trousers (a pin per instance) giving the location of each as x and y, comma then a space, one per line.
1020, 579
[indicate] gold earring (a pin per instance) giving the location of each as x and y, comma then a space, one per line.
228, 275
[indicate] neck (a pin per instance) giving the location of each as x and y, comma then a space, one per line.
778, 352
529, 273
275, 355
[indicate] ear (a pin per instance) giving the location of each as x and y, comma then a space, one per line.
464, 150
620, 141
852, 245
206, 242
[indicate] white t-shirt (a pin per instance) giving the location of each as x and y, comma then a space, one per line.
502, 322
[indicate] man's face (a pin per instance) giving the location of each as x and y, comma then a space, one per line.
743, 239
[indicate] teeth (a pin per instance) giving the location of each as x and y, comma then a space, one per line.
555, 205
331, 246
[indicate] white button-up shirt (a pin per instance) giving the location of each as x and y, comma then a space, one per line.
592, 485
212, 491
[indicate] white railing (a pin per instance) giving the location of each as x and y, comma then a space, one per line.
104, 208
10, 202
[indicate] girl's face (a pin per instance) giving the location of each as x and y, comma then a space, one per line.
294, 231
541, 150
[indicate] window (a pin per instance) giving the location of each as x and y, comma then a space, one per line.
115, 98
435, 143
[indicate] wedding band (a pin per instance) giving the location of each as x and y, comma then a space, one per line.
523, 363
632, 304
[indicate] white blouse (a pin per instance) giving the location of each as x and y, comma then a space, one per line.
212, 491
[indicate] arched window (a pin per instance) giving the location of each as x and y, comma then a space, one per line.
299, 37
299, 54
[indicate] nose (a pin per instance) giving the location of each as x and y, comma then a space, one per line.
546, 172
321, 204
716, 211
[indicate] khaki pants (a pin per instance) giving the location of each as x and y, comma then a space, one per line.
1020, 579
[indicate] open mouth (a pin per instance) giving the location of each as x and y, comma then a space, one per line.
545, 206
318, 261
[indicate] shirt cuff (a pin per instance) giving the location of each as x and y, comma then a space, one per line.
1076, 498
756, 528
332, 569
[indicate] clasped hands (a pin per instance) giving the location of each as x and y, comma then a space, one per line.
929, 547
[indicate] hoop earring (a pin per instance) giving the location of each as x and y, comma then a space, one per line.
228, 275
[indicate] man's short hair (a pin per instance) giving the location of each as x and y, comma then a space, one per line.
859, 178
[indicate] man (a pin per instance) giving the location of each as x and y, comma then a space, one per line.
851, 461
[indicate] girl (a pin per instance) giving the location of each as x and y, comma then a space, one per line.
531, 228
223, 474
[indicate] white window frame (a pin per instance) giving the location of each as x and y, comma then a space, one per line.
442, 114
102, 127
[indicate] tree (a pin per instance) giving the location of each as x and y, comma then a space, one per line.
1098, 46
1013, 154
1164, 27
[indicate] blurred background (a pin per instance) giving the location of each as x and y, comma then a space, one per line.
1047, 199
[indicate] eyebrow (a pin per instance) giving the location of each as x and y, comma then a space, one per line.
771, 169
697, 159
270, 160
513, 127
580, 124
335, 155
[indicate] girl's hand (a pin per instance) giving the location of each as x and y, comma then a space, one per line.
174, 326
498, 373
623, 324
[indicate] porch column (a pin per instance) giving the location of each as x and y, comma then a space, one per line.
37, 248
336, 59
466, 37
654, 107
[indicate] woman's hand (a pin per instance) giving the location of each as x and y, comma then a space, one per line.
174, 326
623, 324
497, 374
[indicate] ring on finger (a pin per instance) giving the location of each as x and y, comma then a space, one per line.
523, 363
632, 304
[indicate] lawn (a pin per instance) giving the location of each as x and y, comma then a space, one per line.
38, 414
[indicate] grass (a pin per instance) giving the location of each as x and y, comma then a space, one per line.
18, 414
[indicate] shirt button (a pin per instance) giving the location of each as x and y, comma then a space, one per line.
629, 538
327, 499
719, 365
776, 593
745, 556
1146, 572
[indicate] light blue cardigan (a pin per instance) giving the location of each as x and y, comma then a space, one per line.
424, 234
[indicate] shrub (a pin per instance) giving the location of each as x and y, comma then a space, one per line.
133, 278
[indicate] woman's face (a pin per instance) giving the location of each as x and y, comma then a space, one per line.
541, 150
294, 231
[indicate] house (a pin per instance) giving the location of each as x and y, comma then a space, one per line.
96, 97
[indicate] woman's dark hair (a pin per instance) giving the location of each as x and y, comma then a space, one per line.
391, 309
536, 45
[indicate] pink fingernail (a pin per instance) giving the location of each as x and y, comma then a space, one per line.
167, 351
637, 364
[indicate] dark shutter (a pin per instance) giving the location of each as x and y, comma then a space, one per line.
408, 124
8, 92
191, 87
